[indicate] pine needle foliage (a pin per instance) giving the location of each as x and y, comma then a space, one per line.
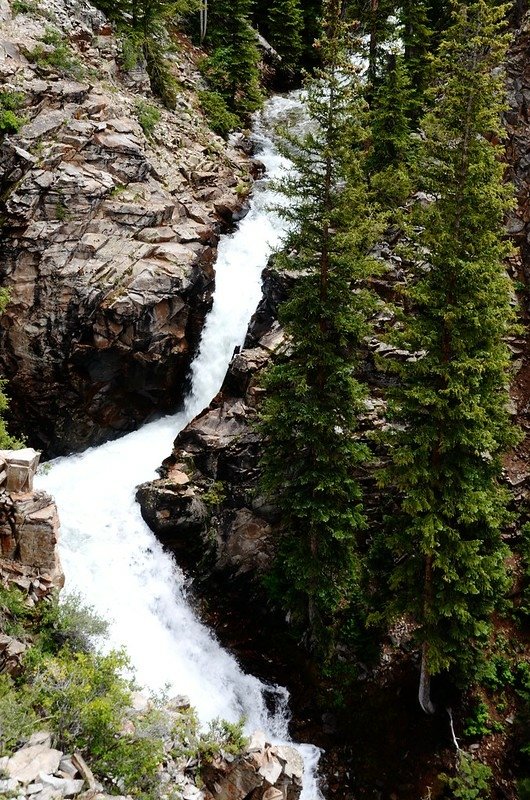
310, 415
285, 24
232, 67
417, 40
451, 403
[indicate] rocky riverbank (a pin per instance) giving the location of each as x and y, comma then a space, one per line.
109, 229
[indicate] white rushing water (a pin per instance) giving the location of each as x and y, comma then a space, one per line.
109, 554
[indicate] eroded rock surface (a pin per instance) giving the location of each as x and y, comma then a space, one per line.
207, 498
108, 237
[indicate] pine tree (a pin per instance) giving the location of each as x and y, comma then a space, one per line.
285, 24
417, 35
388, 160
451, 405
232, 67
309, 416
143, 25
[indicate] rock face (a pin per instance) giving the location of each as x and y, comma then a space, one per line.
108, 237
29, 531
206, 499
264, 772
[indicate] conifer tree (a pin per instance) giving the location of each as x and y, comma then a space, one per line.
451, 405
417, 37
390, 132
313, 399
232, 67
285, 24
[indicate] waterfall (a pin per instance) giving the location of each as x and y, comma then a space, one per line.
109, 554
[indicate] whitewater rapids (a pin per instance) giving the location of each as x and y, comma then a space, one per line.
109, 554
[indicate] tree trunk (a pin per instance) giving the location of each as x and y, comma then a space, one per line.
424, 693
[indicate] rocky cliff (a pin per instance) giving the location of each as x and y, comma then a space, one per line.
108, 234
207, 500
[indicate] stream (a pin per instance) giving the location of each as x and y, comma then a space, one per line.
109, 554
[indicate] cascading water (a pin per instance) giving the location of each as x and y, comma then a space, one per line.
109, 554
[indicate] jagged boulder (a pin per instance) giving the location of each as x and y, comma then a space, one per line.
264, 772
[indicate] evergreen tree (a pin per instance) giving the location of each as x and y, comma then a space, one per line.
232, 67
417, 35
143, 25
312, 11
285, 24
390, 127
309, 416
451, 404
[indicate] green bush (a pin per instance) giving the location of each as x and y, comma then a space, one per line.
478, 723
84, 698
148, 116
17, 716
24, 6
192, 743
10, 102
70, 623
472, 781
61, 57
220, 118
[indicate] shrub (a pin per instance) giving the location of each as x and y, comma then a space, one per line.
472, 781
477, 724
17, 717
24, 6
192, 743
10, 102
70, 623
148, 116
84, 698
61, 57
220, 118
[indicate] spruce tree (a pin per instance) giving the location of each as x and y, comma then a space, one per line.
417, 35
232, 67
285, 22
309, 418
447, 566
388, 160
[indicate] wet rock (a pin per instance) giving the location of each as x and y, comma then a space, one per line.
206, 500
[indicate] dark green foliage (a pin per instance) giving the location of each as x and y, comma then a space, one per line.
144, 27
232, 65
472, 781
374, 17
478, 722
221, 120
388, 161
309, 417
285, 24
451, 403
417, 36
